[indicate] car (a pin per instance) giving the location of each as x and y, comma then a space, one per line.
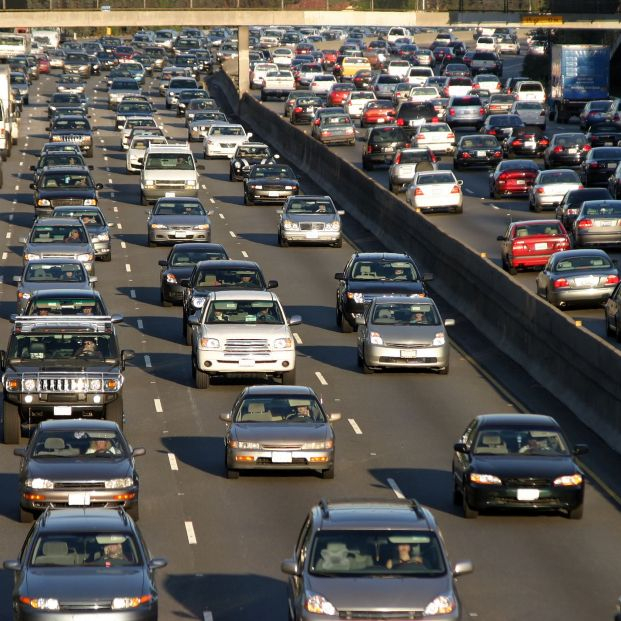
127, 109
215, 275
179, 265
410, 115
176, 85
550, 186
531, 112
142, 124
476, 150
371, 274
515, 462
294, 432
119, 88
594, 112
508, 44
459, 70
270, 183
597, 224
565, 150
500, 103
96, 224
334, 128
246, 156
378, 112
502, 126
82, 558
527, 141
310, 219
57, 100
511, 177
43, 274
569, 207
48, 161
65, 301
436, 190
177, 219
364, 557
425, 93
384, 84
139, 143
337, 93
356, 101
20, 85
321, 83
201, 102
304, 108
192, 94
467, 111
222, 140
530, 243
73, 128
598, 164
199, 125
70, 83
487, 82
604, 134
458, 87
401, 332
77, 62
406, 164
437, 137
382, 144
579, 277
77, 462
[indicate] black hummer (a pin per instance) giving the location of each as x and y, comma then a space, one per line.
62, 366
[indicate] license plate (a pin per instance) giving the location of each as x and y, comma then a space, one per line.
380, 120
62, 410
586, 281
79, 499
608, 143
273, 193
281, 457
311, 109
481, 153
180, 235
408, 353
612, 164
169, 194
246, 362
605, 222
312, 234
541, 246
530, 144
520, 182
527, 494
572, 150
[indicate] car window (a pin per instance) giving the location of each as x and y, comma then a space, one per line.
279, 409
310, 207
66, 180
384, 270
521, 441
405, 314
545, 228
92, 444
567, 176
244, 312
174, 161
178, 208
48, 305
435, 179
43, 272
61, 346
53, 234
582, 262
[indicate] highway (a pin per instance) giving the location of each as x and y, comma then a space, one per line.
225, 539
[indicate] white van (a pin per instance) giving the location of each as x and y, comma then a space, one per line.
397, 32
530, 90
417, 76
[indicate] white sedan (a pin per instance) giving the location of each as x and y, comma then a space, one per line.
435, 190
437, 137
322, 83
222, 140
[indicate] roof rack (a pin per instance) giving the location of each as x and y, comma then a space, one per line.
323, 505
416, 507
30, 323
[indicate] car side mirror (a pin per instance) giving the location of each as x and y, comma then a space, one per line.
157, 563
295, 320
580, 449
449, 322
461, 447
127, 354
17, 279
19, 452
32, 186
272, 284
360, 321
463, 567
92, 279
341, 212
99, 186
138, 452
33, 168
117, 318
339, 276
12, 565
460, 182
163, 262
289, 567
334, 417
200, 167
249, 135
277, 157
227, 417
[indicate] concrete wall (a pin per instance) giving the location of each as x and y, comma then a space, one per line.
581, 369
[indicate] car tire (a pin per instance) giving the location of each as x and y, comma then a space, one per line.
202, 380
164, 302
537, 208
282, 242
469, 512
343, 324
187, 331
11, 423
143, 201
134, 512
338, 243
576, 513
328, 473
25, 516
231, 474
367, 164
288, 378
444, 370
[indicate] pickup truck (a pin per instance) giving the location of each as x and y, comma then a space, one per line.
277, 84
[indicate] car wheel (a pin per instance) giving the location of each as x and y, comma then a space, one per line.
576, 513
26, 517
288, 378
134, 512
12, 423
338, 243
164, 302
231, 474
201, 378
537, 207
187, 331
444, 370
143, 201
469, 512
328, 473
282, 241
343, 324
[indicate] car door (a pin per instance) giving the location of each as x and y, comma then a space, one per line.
296, 583
543, 278
363, 329
461, 461
506, 244
612, 307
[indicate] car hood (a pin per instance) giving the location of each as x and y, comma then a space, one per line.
79, 469
84, 584
394, 593
70, 132
524, 465
66, 193
409, 333
280, 432
386, 287
48, 286
246, 330
180, 272
68, 365
60, 249
179, 221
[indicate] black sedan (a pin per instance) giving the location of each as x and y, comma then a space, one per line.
382, 145
515, 461
77, 462
179, 266
304, 108
598, 165
570, 206
246, 156
271, 183
604, 135
363, 79
73, 128
78, 560
565, 150
60, 158
528, 141
502, 126
371, 274
477, 150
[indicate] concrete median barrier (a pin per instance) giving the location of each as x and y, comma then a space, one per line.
581, 369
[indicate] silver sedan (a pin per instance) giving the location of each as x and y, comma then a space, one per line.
310, 219
550, 186
403, 332
202, 121
178, 219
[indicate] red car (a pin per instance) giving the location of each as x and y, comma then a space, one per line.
305, 48
329, 59
529, 243
44, 63
512, 177
338, 93
378, 112
124, 52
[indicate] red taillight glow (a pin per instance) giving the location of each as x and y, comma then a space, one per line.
400, 122
397, 159
481, 110
316, 122
420, 136
465, 155
558, 149
586, 147
585, 224
613, 279
456, 189
451, 111
561, 283
418, 192
369, 149
297, 109
517, 142
540, 191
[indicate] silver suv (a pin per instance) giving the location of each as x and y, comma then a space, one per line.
347, 550
465, 111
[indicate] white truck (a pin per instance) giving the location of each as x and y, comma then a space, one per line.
48, 38
277, 83
14, 44
9, 114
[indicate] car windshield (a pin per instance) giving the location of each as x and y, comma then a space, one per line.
61, 159
178, 208
272, 171
65, 305
124, 85
279, 409
71, 124
244, 311
186, 258
88, 217
57, 346
387, 134
559, 176
583, 262
133, 107
84, 549
175, 161
54, 272
227, 130
59, 233
55, 443
310, 206
400, 314
382, 553
519, 441
384, 270
18, 79
66, 180
227, 277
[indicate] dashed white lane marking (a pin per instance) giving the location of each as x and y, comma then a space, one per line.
119, 225
21, 163
105, 158
147, 361
321, 378
158, 406
212, 201
109, 179
189, 529
204, 187
8, 234
298, 338
123, 244
495, 207
115, 209
16, 188
132, 293
128, 267
140, 324
232, 234
354, 426
395, 488
468, 191
172, 460
221, 215
4, 256
207, 615
244, 254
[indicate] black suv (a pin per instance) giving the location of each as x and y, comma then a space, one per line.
76, 561
411, 114
67, 366
382, 144
371, 274
73, 128
218, 275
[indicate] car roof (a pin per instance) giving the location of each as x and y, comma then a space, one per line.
273, 391
242, 294
66, 293
230, 263
59, 260
81, 168
85, 520
402, 299
527, 222
199, 246
382, 256
78, 423
49, 221
520, 420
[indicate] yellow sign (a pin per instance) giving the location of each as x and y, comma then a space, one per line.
542, 20
108, 31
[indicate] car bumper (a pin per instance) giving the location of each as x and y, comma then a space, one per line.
337, 139
381, 606
270, 196
83, 498
595, 296
152, 194
172, 292
549, 201
215, 151
312, 237
272, 362
159, 236
102, 249
437, 204
438, 147
426, 357
142, 614
529, 261
510, 189
42, 409
465, 122
571, 161
472, 162
279, 460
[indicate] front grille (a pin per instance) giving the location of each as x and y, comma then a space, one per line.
408, 345
72, 138
371, 614
56, 255
227, 145
66, 201
412, 361
527, 482
170, 184
312, 226
78, 606
246, 346
268, 460
85, 485
61, 384
282, 447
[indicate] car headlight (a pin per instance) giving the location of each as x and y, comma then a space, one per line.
149, 181
291, 187
256, 187
201, 227
375, 338
484, 479
85, 257
94, 384
290, 225
197, 301
237, 164
318, 604
43, 202
439, 339
57, 138
171, 279
41, 603
23, 295
39, 483
103, 237
568, 480
122, 603
87, 138
356, 297
29, 385
154, 225
441, 605
82, 67
285, 343
244, 445
190, 182
209, 343
314, 446
91, 202
119, 483
29, 256
333, 226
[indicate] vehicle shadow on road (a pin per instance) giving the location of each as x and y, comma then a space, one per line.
339, 357
173, 368
229, 597
266, 239
201, 452
317, 316
135, 239
231, 200
147, 295
9, 483
7, 309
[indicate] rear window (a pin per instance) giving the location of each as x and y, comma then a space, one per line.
584, 262
606, 153
444, 177
466, 101
414, 111
559, 176
529, 87
545, 228
387, 134
414, 157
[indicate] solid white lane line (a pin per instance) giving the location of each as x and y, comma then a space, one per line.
298, 338
321, 378
132, 293
128, 267
355, 427
172, 460
123, 244
221, 216
140, 324
158, 406
232, 234
395, 488
147, 361
189, 529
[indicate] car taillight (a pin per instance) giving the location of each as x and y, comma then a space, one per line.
497, 86
544, 141
418, 192
456, 189
435, 119
451, 111
400, 122
497, 153
558, 149
316, 122
612, 279
465, 155
481, 110
561, 283
297, 109
491, 132
420, 136
586, 147
397, 159
540, 191
585, 224
517, 142
434, 159
313, 84
519, 245
594, 165
369, 149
